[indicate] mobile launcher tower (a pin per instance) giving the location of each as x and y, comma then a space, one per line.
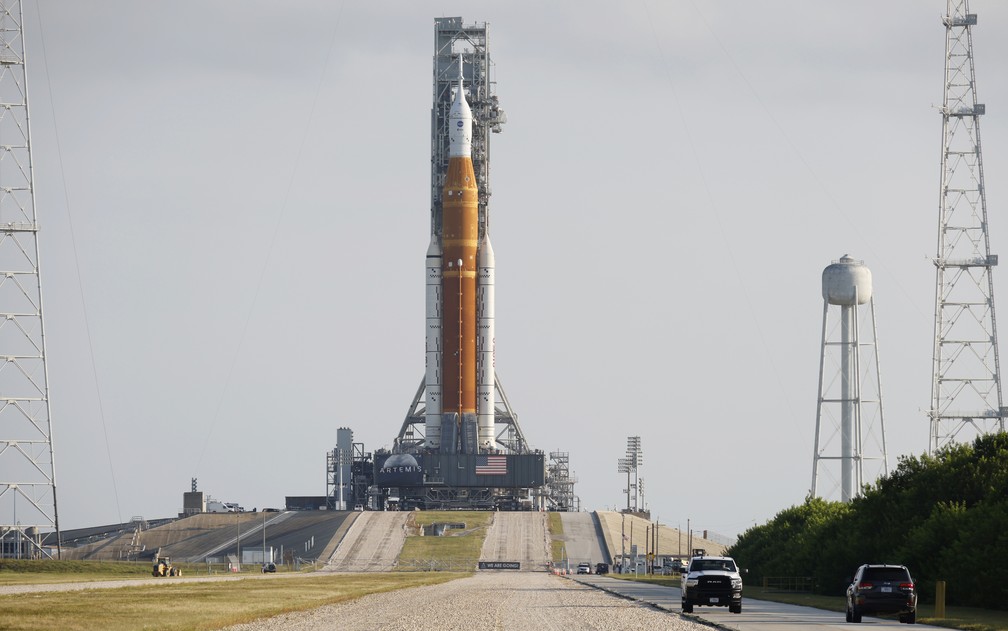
460, 445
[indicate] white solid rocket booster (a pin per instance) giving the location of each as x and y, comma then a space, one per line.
485, 345
432, 380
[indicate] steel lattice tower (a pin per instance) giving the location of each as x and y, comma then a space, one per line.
560, 481
633, 461
27, 468
966, 385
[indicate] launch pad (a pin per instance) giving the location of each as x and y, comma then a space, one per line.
442, 481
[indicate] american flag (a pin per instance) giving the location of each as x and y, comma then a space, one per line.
491, 465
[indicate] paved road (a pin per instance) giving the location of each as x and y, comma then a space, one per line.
581, 539
517, 537
372, 544
757, 615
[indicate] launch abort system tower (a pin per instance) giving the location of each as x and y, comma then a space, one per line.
460, 445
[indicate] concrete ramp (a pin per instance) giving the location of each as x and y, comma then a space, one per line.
519, 536
671, 541
583, 539
372, 544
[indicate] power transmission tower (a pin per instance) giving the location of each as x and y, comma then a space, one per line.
27, 468
966, 385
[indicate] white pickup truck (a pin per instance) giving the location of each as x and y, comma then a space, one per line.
713, 581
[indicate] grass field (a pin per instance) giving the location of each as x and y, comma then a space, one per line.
556, 530
15, 572
456, 545
966, 618
180, 606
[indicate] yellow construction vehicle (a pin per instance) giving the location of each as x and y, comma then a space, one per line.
163, 566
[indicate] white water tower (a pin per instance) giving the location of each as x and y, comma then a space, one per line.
850, 428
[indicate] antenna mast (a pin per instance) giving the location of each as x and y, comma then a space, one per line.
28, 486
966, 385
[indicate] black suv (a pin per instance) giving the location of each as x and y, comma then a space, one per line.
882, 589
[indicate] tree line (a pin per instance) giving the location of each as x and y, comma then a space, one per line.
944, 516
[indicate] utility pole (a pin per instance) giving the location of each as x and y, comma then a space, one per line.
632, 552
655, 546
623, 542
647, 548
238, 539
689, 539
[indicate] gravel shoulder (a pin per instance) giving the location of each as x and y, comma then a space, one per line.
487, 600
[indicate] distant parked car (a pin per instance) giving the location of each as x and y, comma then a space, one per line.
269, 567
601, 568
584, 568
882, 589
674, 566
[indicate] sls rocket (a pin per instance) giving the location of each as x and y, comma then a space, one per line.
459, 379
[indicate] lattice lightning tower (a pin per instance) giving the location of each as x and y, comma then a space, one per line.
27, 469
966, 385
27, 489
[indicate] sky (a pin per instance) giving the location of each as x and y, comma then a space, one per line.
234, 202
